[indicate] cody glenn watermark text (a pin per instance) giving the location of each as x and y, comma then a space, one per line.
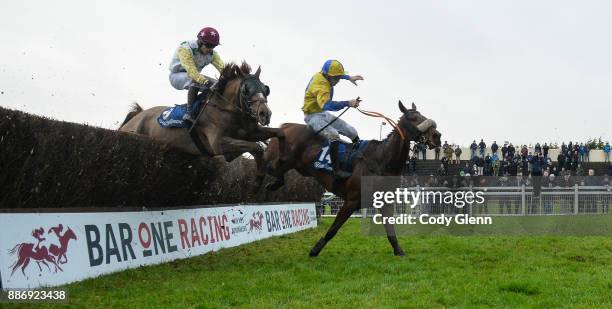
414, 198
427, 219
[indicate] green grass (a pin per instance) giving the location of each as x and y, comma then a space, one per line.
360, 271
541, 225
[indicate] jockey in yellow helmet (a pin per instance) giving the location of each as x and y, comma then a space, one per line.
318, 101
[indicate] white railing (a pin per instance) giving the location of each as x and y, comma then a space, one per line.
501, 201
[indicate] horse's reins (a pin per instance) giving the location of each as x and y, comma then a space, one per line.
371, 114
391, 121
240, 108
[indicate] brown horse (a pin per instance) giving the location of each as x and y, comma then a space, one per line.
26, 251
380, 158
230, 124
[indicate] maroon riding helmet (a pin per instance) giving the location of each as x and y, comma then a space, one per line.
209, 35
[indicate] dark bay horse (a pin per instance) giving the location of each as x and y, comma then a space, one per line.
379, 158
230, 124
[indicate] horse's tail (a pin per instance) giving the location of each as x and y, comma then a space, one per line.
135, 109
15, 249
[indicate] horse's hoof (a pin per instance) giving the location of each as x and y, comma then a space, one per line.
400, 253
274, 186
317, 247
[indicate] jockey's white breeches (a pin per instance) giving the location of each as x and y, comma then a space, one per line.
319, 120
182, 81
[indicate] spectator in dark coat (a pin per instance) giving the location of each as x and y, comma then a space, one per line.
437, 153
504, 167
538, 148
494, 147
424, 150
467, 169
441, 170
488, 165
504, 150
545, 150
445, 162
480, 163
473, 148
511, 151
458, 155
606, 150
537, 165
482, 146
413, 162
561, 159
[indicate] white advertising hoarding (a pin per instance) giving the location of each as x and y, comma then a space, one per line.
50, 249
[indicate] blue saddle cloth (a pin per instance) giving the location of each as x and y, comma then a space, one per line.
345, 155
172, 117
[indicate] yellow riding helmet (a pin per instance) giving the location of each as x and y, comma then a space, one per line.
333, 68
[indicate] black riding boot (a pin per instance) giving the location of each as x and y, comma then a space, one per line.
192, 94
339, 174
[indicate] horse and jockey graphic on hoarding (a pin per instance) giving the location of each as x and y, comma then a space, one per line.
256, 222
55, 254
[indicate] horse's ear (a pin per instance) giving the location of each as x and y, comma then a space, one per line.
413, 107
239, 72
267, 90
401, 107
258, 72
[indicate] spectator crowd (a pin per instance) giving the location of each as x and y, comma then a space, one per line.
519, 162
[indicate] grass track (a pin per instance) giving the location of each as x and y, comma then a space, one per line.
360, 271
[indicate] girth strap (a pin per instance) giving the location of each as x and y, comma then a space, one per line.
197, 140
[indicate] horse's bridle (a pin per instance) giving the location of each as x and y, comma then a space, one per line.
242, 108
245, 102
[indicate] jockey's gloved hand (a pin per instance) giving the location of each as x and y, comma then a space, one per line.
210, 84
353, 79
354, 102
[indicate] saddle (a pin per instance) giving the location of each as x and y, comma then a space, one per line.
172, 117
346, 154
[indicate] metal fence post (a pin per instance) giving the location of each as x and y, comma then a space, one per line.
523, 200
576, 199
471, 208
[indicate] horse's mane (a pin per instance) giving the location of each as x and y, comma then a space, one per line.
230, 72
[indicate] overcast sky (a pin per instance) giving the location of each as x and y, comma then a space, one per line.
522, 71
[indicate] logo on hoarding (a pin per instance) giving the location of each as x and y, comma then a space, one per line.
256, 222
55, 255
237, 221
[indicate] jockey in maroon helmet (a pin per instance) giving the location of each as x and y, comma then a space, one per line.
189, 60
